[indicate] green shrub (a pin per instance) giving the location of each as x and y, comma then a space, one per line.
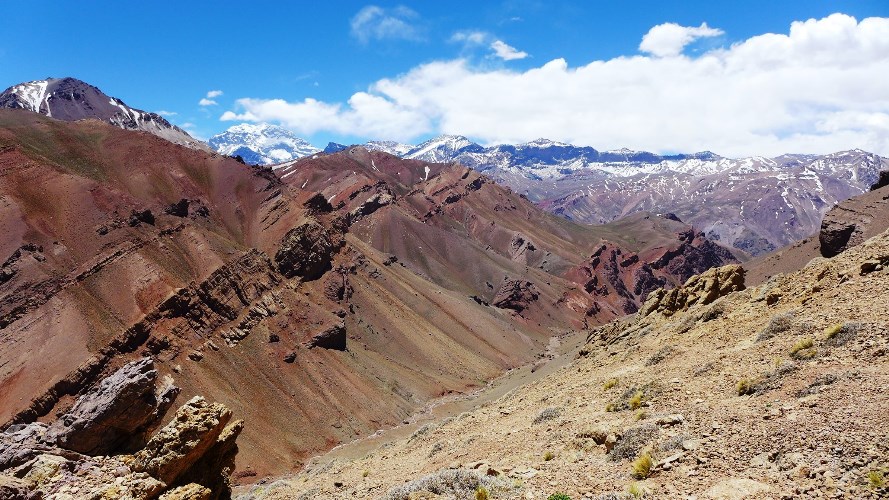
481, 493
642, 466
548, 456
745, 387
876, 479
558, 496
609, 384
804, 349
635, 401
635, 490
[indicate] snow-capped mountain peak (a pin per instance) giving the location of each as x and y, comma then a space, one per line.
261, 143
70, 99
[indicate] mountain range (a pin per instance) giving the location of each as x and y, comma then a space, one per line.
754, 204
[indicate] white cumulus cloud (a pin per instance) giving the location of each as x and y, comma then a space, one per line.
213, 94
669, 39
506, 52
377, 23
207, 102
819, 87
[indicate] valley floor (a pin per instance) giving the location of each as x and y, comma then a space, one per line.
777, 391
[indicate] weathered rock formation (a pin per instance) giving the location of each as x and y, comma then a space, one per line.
517, 295
79, 455
305, 251
701, 289
115, 415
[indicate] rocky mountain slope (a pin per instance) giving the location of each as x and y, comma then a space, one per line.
261, 144
714, 390
70, 99
343, 295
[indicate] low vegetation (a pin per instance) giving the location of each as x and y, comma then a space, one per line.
547, 414
779, 324
642, 466
609, 384
804, 349
456, 483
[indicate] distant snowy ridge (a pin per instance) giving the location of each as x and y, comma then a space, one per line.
261, 144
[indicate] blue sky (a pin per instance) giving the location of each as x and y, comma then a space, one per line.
164, 55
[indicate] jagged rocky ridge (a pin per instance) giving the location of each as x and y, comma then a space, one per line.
106, 445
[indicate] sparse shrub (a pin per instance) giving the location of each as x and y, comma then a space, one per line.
745, 387
548, 456
547, 414
704, 369
804, 349
634, 397
779, 323
640, 415
457, 483
437, 447
845, 333
558, 496
635, 401
633, 440
659, 356
609, 384
642, 466
365, 473
832, 331
481, 493
876, 479
422, 431
818, 384
635, 490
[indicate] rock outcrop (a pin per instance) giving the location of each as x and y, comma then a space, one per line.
305, 251
517, 295
701, 289
175, 450
333, 337
116, 415
78, 456
841, 228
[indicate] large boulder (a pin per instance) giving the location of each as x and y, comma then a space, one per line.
305, 251
701, 289
117, 415
197, 429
